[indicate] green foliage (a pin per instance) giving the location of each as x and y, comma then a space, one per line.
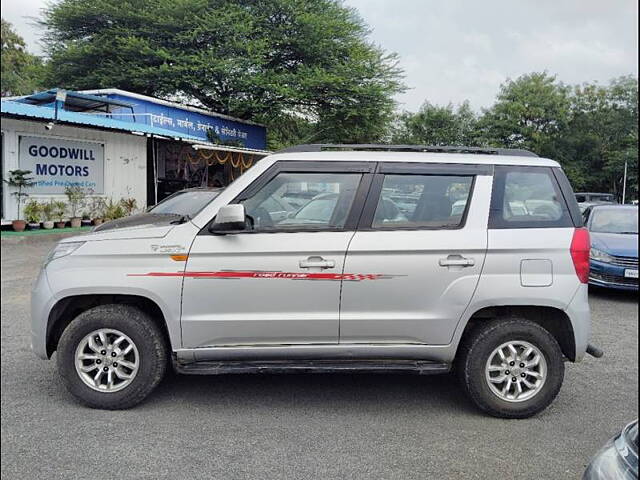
33, 211
529, 113
129, 205
257, 59
590, 129
20, 180
436, 125
58, 210
48, 210
97, 207
22, 72
113, 210
75, 196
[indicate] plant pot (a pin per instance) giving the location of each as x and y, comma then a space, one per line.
47, 224
76, 222
19, 225
86, 222
34, 225
97, 221
61, 224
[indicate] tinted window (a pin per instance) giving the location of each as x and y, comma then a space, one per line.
527, 197
307, 201
427, 201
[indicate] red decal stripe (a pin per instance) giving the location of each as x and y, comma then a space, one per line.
281, 275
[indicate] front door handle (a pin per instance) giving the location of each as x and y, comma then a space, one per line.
317, 262
457, 261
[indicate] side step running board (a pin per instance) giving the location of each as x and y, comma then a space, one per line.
313, 366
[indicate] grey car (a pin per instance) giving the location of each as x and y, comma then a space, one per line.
335, 258
618, 459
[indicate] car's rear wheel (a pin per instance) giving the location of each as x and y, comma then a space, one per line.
510, 367
112, 356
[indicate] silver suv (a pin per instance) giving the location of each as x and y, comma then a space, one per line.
335, 258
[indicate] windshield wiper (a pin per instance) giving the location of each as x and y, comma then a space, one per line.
181, 220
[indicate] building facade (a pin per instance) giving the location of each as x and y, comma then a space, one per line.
120, 145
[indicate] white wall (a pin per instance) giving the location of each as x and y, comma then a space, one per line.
125, 160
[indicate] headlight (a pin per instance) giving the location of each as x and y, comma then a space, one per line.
63, 249
600, 256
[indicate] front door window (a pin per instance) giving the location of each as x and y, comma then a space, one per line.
303, 201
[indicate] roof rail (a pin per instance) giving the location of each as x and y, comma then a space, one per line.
320, 147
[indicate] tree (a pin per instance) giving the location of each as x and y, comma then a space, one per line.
436, 125
21, 71
259, 59
529, 113
601, 134
20, 180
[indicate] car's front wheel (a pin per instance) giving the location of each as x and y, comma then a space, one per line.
112, 356
510, 367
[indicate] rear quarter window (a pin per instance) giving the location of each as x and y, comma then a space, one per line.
527, 197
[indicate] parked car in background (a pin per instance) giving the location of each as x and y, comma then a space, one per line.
618, 459
614, 246
587, 199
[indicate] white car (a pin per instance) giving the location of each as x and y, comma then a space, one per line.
348, 282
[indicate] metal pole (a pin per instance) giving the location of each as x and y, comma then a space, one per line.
624, 183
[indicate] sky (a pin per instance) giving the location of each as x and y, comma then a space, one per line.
457, 50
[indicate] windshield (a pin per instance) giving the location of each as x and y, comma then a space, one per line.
619, 220
188, 202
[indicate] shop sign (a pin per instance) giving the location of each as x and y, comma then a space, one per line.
56, 164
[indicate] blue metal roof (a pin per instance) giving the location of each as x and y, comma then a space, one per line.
18, 109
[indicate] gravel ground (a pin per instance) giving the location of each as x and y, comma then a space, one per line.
304, 426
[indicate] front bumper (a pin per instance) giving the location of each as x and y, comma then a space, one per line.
610, 276
42, 301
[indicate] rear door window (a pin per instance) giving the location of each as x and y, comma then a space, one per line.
527, 197
422, 201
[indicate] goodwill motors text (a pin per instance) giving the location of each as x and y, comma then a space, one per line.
61, 153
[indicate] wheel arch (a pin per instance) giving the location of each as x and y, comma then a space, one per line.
552, 319
68, 308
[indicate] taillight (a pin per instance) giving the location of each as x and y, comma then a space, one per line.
580, 246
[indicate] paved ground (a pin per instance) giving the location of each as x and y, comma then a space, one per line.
304, 426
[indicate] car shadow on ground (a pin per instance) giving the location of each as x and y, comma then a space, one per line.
347, 393
627, 296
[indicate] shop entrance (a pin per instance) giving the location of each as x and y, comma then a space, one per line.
175, 166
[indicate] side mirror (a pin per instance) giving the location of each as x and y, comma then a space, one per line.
230, 218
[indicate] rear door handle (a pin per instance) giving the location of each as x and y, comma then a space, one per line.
456, 261
317, 262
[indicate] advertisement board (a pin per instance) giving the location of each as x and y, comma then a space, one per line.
193, 123
57, 163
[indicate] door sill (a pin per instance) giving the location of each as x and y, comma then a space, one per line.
331, 352
313, 366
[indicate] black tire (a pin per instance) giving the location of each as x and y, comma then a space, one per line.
151, 345
482, 340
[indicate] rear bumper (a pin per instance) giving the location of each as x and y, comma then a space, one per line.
580, 316
611, 276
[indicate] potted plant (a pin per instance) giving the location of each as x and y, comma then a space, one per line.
129, 205
33, 214
59, 208
20, 180
47, 213
97, 208
113, 210
86, 219
75, 196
